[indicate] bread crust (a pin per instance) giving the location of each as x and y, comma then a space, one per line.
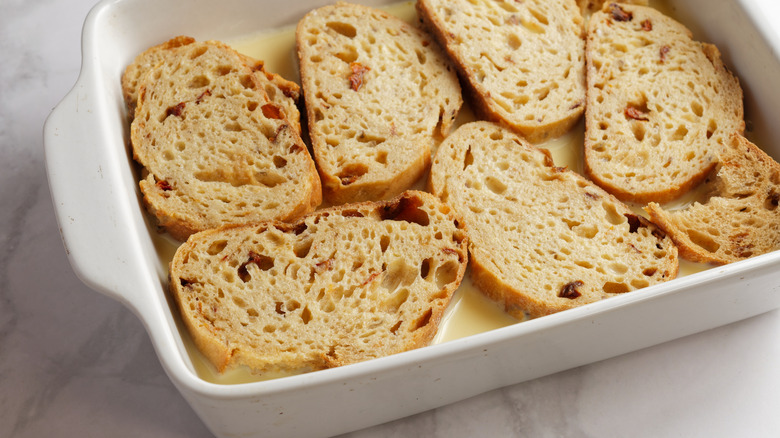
379, 94
339, 286
542, 238
497, 51
657, 104
214, 147
739, 218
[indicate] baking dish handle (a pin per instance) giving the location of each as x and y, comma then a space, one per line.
92, 193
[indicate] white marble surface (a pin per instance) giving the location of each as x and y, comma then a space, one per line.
74, 363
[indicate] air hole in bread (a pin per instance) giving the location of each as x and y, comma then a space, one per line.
199, 81
269, 179
680, 133
611, 213
421, 58
247, 81
406, 209
617, 268
703, 240
394, 328
232, 127
198, 51
531, 26
422, 321
425, 268
398, 274
381, 157
697, 109
446, 273
217, 247
344, 29
469, 159
396, 300
279, 162
495, 185
649, 272
712, 126
306, 316
514, 42
349, 55
772, 199
638, 130
351, 173
612, 287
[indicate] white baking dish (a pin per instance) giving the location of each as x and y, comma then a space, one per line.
112, 248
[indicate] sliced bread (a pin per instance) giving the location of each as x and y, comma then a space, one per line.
590, 6
658, 103
214, 149
378, 93
523, 62
740, 219
543, 238
281, 91
342, 285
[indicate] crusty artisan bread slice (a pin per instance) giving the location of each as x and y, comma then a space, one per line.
543, 238
214, 148
523, 62
339, 286
377, 92
280, 91
740, 219
657, 104
590, 6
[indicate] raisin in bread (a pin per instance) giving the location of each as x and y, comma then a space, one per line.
590, 6
214, 148
378, 93
543, 238
657, 104
740, 219
523, 62
281, 91
339, 286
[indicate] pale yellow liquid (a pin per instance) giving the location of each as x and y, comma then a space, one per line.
469, 312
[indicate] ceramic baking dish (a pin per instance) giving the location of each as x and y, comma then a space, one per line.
113, 249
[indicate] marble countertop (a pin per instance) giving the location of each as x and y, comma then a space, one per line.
75, 363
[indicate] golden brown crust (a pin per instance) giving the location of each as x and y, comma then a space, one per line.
657, 104
510, 88
739, 219
378, 94
339, 286
542, 238
215, 149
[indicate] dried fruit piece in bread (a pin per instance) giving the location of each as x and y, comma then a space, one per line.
590, 6
339, 286
378, 93
523, 62
543, 238
214, 149
740, 219
281, 91
657, 104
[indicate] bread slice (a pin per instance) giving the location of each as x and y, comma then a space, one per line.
214, 149
523, 62
378, 94
588, 7
281, 91
340, 286
658, 103
543, 238
740, 219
